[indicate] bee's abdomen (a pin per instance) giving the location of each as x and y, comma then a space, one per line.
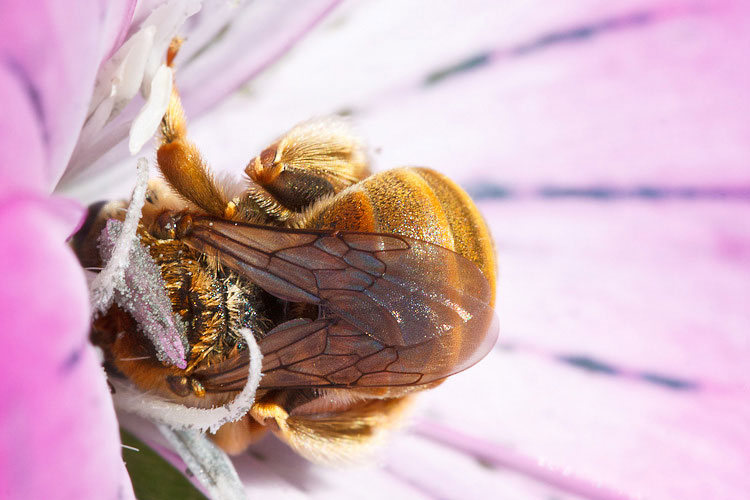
415, 202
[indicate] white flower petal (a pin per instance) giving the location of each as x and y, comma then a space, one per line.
167, 19
130, 73
116, 76
147, 121
136, 65
96, 121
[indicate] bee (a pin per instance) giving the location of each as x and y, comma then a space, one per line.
360, 289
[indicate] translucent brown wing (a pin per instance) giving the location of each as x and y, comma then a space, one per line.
394, 310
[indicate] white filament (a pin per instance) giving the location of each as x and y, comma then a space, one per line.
208, 462
113, 275
177, 416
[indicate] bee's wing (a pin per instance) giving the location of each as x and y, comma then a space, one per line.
397, 311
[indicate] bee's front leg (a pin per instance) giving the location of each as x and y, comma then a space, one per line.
181, 162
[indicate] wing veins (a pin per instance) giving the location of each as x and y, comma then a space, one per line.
411, 286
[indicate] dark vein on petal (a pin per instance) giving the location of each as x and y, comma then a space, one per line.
598, 366
490, 191
647, 193
72, 360
582, 33
590, 364
473, 62
668, 382
575, 34
17, 69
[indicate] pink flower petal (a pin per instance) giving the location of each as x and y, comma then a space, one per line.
22, 154
248, 42
50, 52
617, 94
593, 93
609, 142
626, 321
58, 433
116, 25
226, 44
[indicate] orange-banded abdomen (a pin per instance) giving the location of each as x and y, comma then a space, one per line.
415, 202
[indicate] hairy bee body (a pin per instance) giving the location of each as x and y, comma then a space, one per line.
359, 290
214, 306
415, 202
216, 303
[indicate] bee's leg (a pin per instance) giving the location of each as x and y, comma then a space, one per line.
181, 162
235, 437
314, 160
327, 435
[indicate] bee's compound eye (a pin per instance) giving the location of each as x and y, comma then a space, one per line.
170, 225
180, 385
298, 188
165, 226
184, 223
